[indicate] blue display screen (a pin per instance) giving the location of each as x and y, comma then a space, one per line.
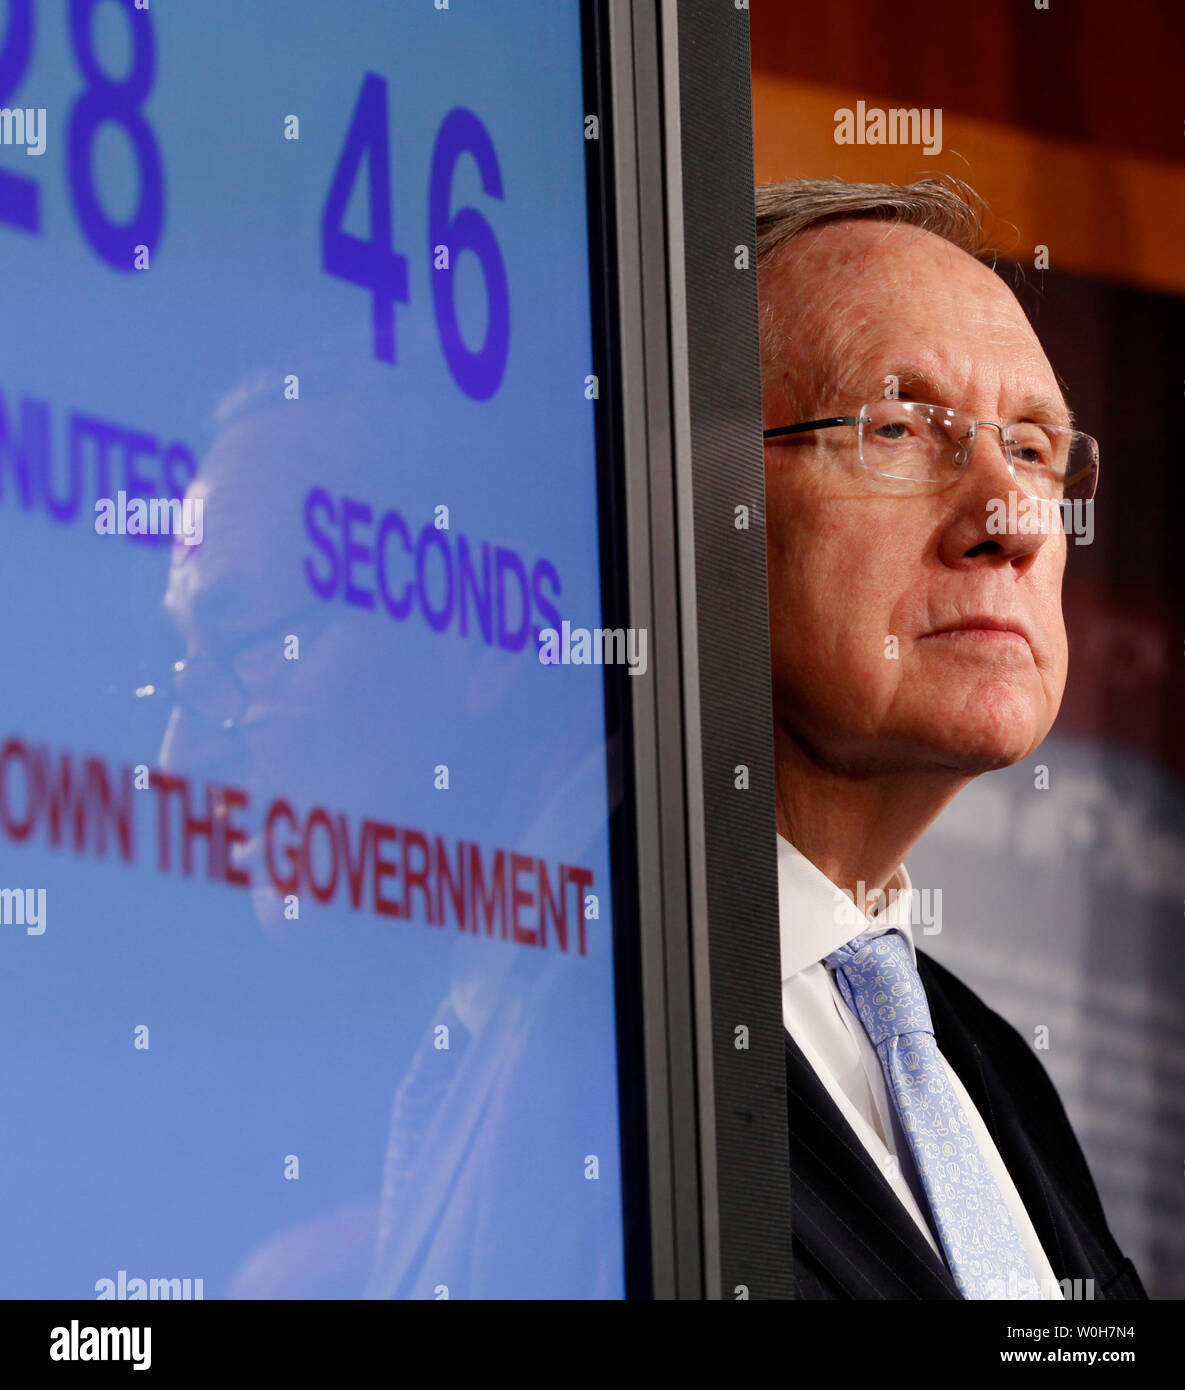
306, 952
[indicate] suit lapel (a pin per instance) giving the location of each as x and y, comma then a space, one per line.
860, 1240
844, 1212
1071, 1248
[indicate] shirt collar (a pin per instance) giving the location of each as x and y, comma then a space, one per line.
815, 917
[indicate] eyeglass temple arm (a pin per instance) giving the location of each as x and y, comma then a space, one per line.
813, 425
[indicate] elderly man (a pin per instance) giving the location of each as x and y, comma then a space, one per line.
915, 643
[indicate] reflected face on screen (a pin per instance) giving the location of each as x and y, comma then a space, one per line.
865, 584
341, 721
238, 600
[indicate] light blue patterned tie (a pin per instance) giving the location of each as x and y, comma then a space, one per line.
882, 987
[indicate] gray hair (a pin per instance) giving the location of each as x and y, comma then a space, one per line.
944, 205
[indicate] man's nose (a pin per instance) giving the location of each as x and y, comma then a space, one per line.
985, 437
981, 523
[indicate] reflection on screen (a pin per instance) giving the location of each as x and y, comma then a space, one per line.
304, 868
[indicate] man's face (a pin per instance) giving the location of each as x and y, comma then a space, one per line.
852, 567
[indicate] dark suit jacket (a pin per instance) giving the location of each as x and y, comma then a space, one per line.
853, 1238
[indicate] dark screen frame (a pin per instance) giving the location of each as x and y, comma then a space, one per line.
701, 1051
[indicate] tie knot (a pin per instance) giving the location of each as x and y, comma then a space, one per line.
878, 979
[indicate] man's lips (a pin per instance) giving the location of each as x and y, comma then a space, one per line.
982, 628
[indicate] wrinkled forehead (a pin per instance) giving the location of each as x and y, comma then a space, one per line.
873, 309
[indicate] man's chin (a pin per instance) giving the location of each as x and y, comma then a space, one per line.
987, 724
974, 749
975, 762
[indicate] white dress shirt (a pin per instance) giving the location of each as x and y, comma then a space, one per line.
834, 1042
